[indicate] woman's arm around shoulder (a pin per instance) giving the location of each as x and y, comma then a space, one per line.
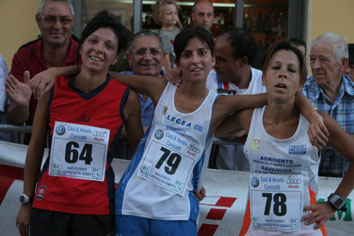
317, 131
151, 86
133, 125
226, 105
342, 142
44, 81
235, 123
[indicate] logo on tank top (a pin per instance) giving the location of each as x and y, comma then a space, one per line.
198, 128
179, 121
41, 191
256, 144
255, 182
159, 134
60, 130
84, 117
297, 149
223, 91
165, 108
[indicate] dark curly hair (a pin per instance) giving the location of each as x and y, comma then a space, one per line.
103, 19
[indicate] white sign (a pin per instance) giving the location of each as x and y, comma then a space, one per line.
169, 160
276, 201
78, 151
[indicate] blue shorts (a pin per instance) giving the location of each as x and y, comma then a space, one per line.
132, 225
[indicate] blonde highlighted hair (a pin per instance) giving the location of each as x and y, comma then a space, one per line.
157, 9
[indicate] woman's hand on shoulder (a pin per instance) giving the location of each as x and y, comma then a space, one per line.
43, 81
317, 131
174, 77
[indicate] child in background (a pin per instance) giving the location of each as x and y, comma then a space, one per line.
165, 13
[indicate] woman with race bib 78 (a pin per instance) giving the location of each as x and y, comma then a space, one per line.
283, 163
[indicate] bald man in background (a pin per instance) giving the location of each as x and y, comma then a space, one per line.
203, 14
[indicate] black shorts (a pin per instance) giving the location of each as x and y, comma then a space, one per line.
44, 223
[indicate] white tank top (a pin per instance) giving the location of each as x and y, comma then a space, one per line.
168, 163
283, 179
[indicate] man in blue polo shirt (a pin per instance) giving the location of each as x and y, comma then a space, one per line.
331, 91
145, 57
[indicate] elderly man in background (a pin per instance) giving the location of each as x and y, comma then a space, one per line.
145, 57
203, 14
56, 47
331, 91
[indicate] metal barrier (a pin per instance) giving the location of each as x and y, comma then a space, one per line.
16, 128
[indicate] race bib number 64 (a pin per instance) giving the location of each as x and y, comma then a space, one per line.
78, 151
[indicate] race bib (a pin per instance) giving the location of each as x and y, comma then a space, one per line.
276, 201
169, 160
78, 151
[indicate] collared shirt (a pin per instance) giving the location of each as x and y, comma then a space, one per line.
30, 57
342, 110
147, 110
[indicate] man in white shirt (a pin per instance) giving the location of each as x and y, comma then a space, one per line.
234, 50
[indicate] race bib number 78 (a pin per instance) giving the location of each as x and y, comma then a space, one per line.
276, 201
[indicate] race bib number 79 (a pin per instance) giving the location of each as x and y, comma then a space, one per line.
169, 160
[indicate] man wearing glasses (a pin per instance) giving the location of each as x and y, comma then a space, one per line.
145, 57
56, 47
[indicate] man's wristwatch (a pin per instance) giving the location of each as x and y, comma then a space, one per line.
337, 202
24, 199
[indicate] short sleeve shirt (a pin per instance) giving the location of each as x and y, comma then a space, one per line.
30, 57
342, 110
